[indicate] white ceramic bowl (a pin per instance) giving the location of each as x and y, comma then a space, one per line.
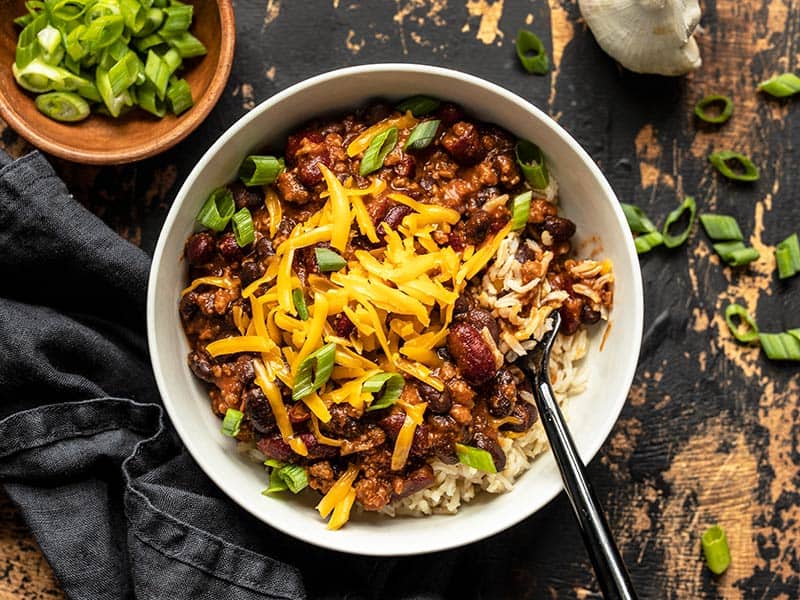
586, 198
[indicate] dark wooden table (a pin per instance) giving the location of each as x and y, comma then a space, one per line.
711, 431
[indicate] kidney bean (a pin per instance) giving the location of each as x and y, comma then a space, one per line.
438, 402
308, 170
503, 395
484, 442
258, 410
463, 143
199, 249
201, 364
275, 447
229, 248
246, 197
481, 318
264, 248
393, 218
448, 113
416, 480
342, 325
251, 271
560, 228
317, 450
392, 423
473, 355
477, 227
589, 315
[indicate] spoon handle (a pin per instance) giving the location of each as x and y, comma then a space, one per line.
608, 566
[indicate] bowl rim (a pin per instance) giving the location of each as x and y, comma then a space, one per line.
636, 295
180, 131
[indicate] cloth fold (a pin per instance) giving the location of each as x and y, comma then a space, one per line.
87, 451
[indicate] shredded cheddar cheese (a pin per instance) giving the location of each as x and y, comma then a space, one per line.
358, 145
221, 282
405, 438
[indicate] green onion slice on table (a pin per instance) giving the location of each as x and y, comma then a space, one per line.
520, 211
390, 383
735, 253
780, 346
746, 329
419, 105
721, 227
781, 86
724, 159
232, 422
217, 210
299, 300
314, 371
532, 53
531, 162
422, 135
725, 104
260, 170
648, 241
787, 255
673, 241
715, 549
637, 220
243, 230
63, 106
376, 152
475, 458
328, 260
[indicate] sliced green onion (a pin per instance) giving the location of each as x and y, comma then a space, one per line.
637, 220
532, 163
28, 47
750, 333
149, 100
25, 20
104, 31
781, 86
376, 152
648, 241
242, 224
113, 102
124, 73
295, 478
780, 346
74, 43
67, 10
328, 260
38, 76
49, 39
418, 105
721, 227
63, 106
260, 170
187, 45
532, 53
795, 333
321, 363
157, 72
134, 14
217, 210
475, 458
392, 385
173, 60
743, 256
153, 19
520, 211
177, 19
101, 8
179, 95
787, 255
146, 43
673, 241
232, 422
299, 300
276, 483
726, 110
422, 135
721, 159
715, 549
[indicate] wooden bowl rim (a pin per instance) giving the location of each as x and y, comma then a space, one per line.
183, 128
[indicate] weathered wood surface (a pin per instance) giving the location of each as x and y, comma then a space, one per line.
710, 431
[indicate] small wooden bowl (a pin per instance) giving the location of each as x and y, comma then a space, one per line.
104, 140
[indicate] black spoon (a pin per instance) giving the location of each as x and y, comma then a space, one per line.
608, 566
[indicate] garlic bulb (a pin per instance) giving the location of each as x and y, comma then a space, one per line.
646, 36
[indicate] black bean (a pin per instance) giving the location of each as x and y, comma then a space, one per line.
201, 364
484, 442
477, 227
258, 410
589, 316
438, 402
560, 228
503, 395
264, 248
251, 271
393, 218
229, 248
527, 415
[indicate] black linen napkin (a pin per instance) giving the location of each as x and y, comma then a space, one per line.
87, 452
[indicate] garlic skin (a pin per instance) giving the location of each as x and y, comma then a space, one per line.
646, 36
